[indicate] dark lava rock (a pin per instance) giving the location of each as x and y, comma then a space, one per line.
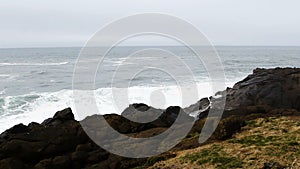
19, 128
57, 162
60, 117
60, 142
32, 144
65, 114
33, 125
62, 162
11, 163
141, 113
202, 105
278, 88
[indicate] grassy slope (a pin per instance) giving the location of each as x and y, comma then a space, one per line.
273, 139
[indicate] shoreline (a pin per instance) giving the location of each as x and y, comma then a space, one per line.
60, 142
42, 110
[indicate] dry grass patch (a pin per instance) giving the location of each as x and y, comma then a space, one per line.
264, 140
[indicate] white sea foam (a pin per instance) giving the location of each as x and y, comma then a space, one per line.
40, 106
4, 75
2, 92
8, 76
33, 64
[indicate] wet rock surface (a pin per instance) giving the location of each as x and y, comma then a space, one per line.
60, 141
279, 88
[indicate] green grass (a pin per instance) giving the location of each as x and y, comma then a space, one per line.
153, 160
214, 155
150, 161
193, 135
252, 123
257, 140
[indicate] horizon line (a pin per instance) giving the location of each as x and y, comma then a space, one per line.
35, 47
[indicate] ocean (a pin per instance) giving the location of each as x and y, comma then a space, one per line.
37, 82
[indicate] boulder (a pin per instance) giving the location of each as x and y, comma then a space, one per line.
19, 128
141, 113
60, 117
11, 163
65, 114
201, 105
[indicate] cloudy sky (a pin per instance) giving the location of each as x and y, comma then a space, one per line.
51, 23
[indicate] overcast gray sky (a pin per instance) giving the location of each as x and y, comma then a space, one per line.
32, 23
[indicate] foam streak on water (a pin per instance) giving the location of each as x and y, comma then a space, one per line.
33, 64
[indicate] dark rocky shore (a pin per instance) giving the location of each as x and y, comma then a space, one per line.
60, 142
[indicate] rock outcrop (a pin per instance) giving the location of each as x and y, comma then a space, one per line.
278, 88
